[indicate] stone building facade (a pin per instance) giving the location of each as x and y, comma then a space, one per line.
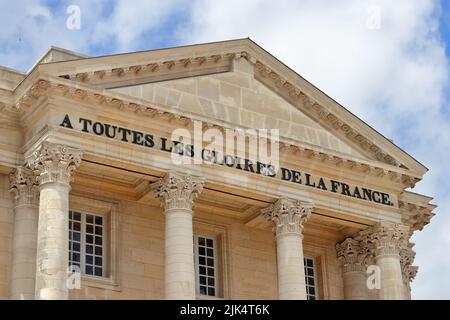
93, 205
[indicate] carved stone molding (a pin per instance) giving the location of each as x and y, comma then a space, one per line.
385, 238
152, 110
351, 255
288, 215
416, 216
54, 163
407, 256
177, 191
324, 115
24, 185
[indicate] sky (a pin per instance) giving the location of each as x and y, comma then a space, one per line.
386, 61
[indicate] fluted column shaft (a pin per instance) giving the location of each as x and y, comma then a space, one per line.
24, 185
352, 256
177, 193
289, 215
386, 241
54, 165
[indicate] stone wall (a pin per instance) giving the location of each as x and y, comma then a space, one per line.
248, 261
238, 98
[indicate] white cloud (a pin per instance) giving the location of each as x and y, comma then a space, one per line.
27, 29
127, 23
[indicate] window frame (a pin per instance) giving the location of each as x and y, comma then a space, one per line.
104, 245
314, 268
110, 209
197, 267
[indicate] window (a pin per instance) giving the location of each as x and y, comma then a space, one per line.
87, 243
310, 279
205, 259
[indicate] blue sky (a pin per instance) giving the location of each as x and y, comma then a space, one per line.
386, 61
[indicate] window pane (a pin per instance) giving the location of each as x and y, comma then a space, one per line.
98, 240
209, 243
77, 226
98, 251
89, 218
202, 280
98, 220
210, 272
201, 251
89, 259
201, 241
89, 270
210, 253
77, 216
89, 239
98, 230
98, 272
98, 261
89, 249
211, 292
89, 228
76, 257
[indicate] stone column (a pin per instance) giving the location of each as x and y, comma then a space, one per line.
177, 193
352, 259
289, 216
409, 271
24, 186
386, 240
54, 165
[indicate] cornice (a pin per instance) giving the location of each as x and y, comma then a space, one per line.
323, 115
278, 76
56, 86
299, 98
287, 89
416, 216
137, 72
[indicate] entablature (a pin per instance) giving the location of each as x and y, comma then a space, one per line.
51, 86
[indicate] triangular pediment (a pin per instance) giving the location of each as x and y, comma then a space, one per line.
240, 100
240, 83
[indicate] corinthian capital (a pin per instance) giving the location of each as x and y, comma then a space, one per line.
24, 185
385, 238
351, 255
407, 256
54, 162
177, 191
288, 215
